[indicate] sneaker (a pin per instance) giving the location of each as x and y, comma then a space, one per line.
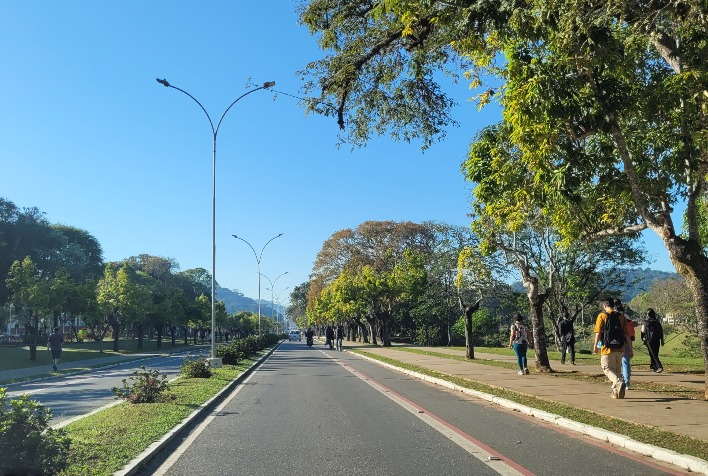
572, 363
627, 386
659, 370
613, 392
622, 389
521, 372
526, 371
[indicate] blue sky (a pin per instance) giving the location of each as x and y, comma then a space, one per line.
90, 138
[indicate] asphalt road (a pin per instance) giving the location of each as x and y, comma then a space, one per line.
72, 396
316, 411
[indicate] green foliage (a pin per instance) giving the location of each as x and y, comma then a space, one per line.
429, 336
691, 346
145, 386
196, 368
27, 445
237, 350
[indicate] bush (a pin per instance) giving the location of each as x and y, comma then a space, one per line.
145, 386
27, 445
230, 354
198, 368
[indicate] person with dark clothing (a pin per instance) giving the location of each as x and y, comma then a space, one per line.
54, 344
567, 337
340, 336
329, 335
653, 337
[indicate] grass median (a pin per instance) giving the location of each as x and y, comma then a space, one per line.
644, 434
105, 442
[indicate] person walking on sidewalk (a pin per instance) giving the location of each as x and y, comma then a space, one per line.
610, 339
629, 348
519, 341
54, 344
329, 335
653, 336
567, 336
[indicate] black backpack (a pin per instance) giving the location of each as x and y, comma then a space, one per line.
613, 334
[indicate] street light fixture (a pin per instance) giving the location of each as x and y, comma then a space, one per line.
214, 130
272, 285
258, 261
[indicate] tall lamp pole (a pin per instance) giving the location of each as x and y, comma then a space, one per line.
272, 285
214, 131
258, 262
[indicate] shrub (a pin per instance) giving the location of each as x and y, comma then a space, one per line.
145, 386
230, 354
198, 368
27, 444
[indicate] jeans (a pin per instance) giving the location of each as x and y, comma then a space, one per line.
520, 350
339, 343
627, 364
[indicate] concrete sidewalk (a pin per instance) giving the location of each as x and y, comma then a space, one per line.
670, 413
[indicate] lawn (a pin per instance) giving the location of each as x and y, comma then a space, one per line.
12, 358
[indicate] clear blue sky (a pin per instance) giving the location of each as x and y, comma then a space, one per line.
90, 138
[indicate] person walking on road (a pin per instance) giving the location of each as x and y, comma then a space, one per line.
54, 344
567, 336
653, 337
610, 339
339, 337
519, 341
329, 335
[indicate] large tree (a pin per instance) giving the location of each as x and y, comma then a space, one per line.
606, 103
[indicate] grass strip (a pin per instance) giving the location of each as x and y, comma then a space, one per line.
105, 442
679, 391
653, 436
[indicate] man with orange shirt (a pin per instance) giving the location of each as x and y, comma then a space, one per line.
611, 353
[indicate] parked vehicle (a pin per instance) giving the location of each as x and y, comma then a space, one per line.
294, 335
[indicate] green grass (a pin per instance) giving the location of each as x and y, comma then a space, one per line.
105, 442
649, 435
12, 358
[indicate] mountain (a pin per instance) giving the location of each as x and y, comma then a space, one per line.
235, 302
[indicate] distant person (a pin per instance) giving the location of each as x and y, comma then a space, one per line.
54, 344
567, 336
329, 335
519, 341
339, 335
610, 339
629, 348
653, 337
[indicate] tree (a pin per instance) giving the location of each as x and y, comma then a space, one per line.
28, 296
607, 107
297, 310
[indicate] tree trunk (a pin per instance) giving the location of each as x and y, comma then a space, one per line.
692, 264
115, 325
372, 327
536, 301
469, 344
159, 336
139, 329
385, 331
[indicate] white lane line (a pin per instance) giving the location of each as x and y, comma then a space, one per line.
493, 459
182, 448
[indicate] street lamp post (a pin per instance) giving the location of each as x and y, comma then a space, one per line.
272, 285
258, 262
215, 131
277, 299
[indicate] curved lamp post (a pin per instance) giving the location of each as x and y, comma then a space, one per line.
258, 261
214, 131
272, 285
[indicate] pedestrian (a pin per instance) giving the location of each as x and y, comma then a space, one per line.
340, 336
629, 348
610, 339
329, 335
567, 336
519, 341
54, 344
653, 337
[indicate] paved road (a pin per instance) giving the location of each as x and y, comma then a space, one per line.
324, 412
72, 396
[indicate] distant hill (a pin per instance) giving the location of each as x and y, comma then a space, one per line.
638, 281
235, 302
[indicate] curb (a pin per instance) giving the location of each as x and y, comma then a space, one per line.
143, 458
690, 463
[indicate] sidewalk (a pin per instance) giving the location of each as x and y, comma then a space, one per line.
670, 413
